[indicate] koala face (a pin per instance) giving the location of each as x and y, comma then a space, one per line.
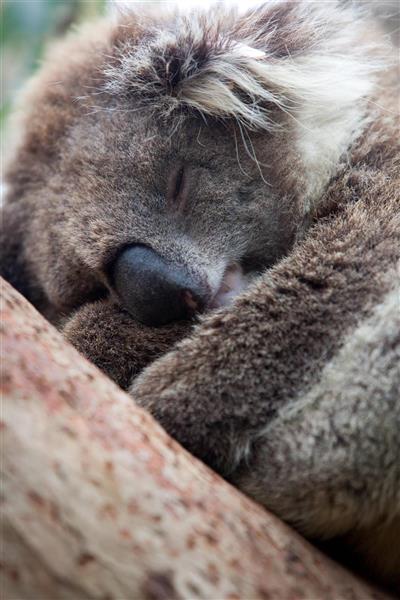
165, 163
170, 221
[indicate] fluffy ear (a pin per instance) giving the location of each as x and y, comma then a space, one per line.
314, 62
283, 54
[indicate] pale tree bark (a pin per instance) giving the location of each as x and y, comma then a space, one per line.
99, 502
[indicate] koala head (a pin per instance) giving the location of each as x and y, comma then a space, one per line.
166, 160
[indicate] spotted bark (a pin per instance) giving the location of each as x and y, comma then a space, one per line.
99, 502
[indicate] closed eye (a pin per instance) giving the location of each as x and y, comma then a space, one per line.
178, 182
176, 191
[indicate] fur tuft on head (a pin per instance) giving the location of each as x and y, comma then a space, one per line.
282, 55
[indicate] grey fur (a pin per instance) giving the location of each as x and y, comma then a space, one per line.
291, 392
342, 437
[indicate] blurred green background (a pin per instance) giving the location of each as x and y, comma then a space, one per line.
26, 26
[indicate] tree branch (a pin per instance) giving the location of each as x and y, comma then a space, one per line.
99, 502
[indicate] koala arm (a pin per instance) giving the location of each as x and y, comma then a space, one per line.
329, 462
106, 334
246, 392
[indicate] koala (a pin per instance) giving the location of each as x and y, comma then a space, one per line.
217, 193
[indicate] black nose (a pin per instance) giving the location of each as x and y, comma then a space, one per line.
154, 291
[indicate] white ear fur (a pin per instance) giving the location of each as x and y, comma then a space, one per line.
332, 91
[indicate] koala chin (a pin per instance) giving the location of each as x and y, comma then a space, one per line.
242, 165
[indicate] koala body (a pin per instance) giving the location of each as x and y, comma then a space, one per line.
173, 164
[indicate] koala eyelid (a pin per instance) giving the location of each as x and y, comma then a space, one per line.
178, 182
176, 189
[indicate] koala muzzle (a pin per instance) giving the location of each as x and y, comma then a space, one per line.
154, 291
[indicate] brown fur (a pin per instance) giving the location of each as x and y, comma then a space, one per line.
91, 175
118, 345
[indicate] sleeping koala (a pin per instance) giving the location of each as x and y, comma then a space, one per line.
242, 167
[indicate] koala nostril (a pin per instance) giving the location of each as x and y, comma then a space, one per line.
154, 291
191, 302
